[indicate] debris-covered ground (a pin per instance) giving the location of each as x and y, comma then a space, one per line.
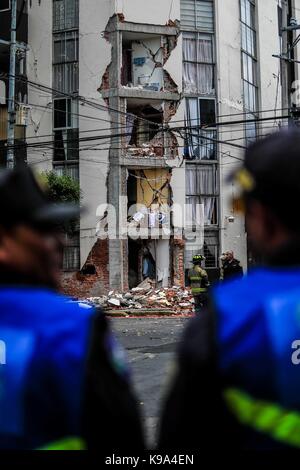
173, 300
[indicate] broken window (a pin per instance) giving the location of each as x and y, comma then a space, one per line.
202, 189
200, 144
197, 15
198, 63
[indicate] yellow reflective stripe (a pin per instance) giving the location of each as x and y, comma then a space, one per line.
269, 418
199, 289
196, 278
69, 443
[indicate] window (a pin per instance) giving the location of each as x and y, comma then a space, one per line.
198, 67
67, 169
249, 56
62, 113
201, 189
65, 62
71, 254
66, 145
65, 14
200, 144
197, 15
210, 250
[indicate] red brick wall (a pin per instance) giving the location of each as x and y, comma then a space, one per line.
178, 262
80, 285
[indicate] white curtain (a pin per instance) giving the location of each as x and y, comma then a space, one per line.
198, 76
192, 119
200, 144
129, 127
201, 187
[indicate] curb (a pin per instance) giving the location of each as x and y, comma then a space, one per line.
143, 313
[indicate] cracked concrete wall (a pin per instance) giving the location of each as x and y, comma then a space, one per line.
94, 57
230, 99
229, 89
150, 72
174, 64
150, 12
268, 43
39, 69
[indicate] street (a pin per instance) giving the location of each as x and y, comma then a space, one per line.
150, 344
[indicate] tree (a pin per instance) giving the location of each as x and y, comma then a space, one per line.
62, 188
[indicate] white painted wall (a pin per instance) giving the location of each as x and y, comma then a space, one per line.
229, 86
39, 69
150, 12
94, 57
268, 44
230, 99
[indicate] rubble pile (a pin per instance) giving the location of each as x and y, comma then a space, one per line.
152, 149
175, 299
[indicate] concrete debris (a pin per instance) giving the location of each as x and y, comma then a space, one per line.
145, 296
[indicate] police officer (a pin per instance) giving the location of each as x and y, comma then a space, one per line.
64, 382
199, 283
231, 267
237, 385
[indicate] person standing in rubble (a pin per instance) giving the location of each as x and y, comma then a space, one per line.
65, 384
198, 280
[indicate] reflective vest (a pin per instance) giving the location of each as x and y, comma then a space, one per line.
44, 339
198, 279
258, 322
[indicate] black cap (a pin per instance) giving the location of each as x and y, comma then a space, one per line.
24, 201
271, 174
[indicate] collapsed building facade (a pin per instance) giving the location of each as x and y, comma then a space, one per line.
133, 96
146, 167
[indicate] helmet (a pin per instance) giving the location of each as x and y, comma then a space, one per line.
198, 258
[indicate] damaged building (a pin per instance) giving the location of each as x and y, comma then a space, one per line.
146, 165
134, 95
128, 68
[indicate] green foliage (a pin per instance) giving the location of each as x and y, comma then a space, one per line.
62, 188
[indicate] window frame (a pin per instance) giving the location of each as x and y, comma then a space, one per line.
196, 166
249, 64
201, 132
194, 10
63, 25
199, 62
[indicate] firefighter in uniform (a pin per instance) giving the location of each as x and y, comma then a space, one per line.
199, 283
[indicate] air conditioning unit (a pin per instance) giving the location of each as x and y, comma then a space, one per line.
22, 115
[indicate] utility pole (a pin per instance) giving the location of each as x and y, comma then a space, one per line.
285, 62
12, 87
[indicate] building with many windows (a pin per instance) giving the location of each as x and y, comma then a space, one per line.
149, 105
